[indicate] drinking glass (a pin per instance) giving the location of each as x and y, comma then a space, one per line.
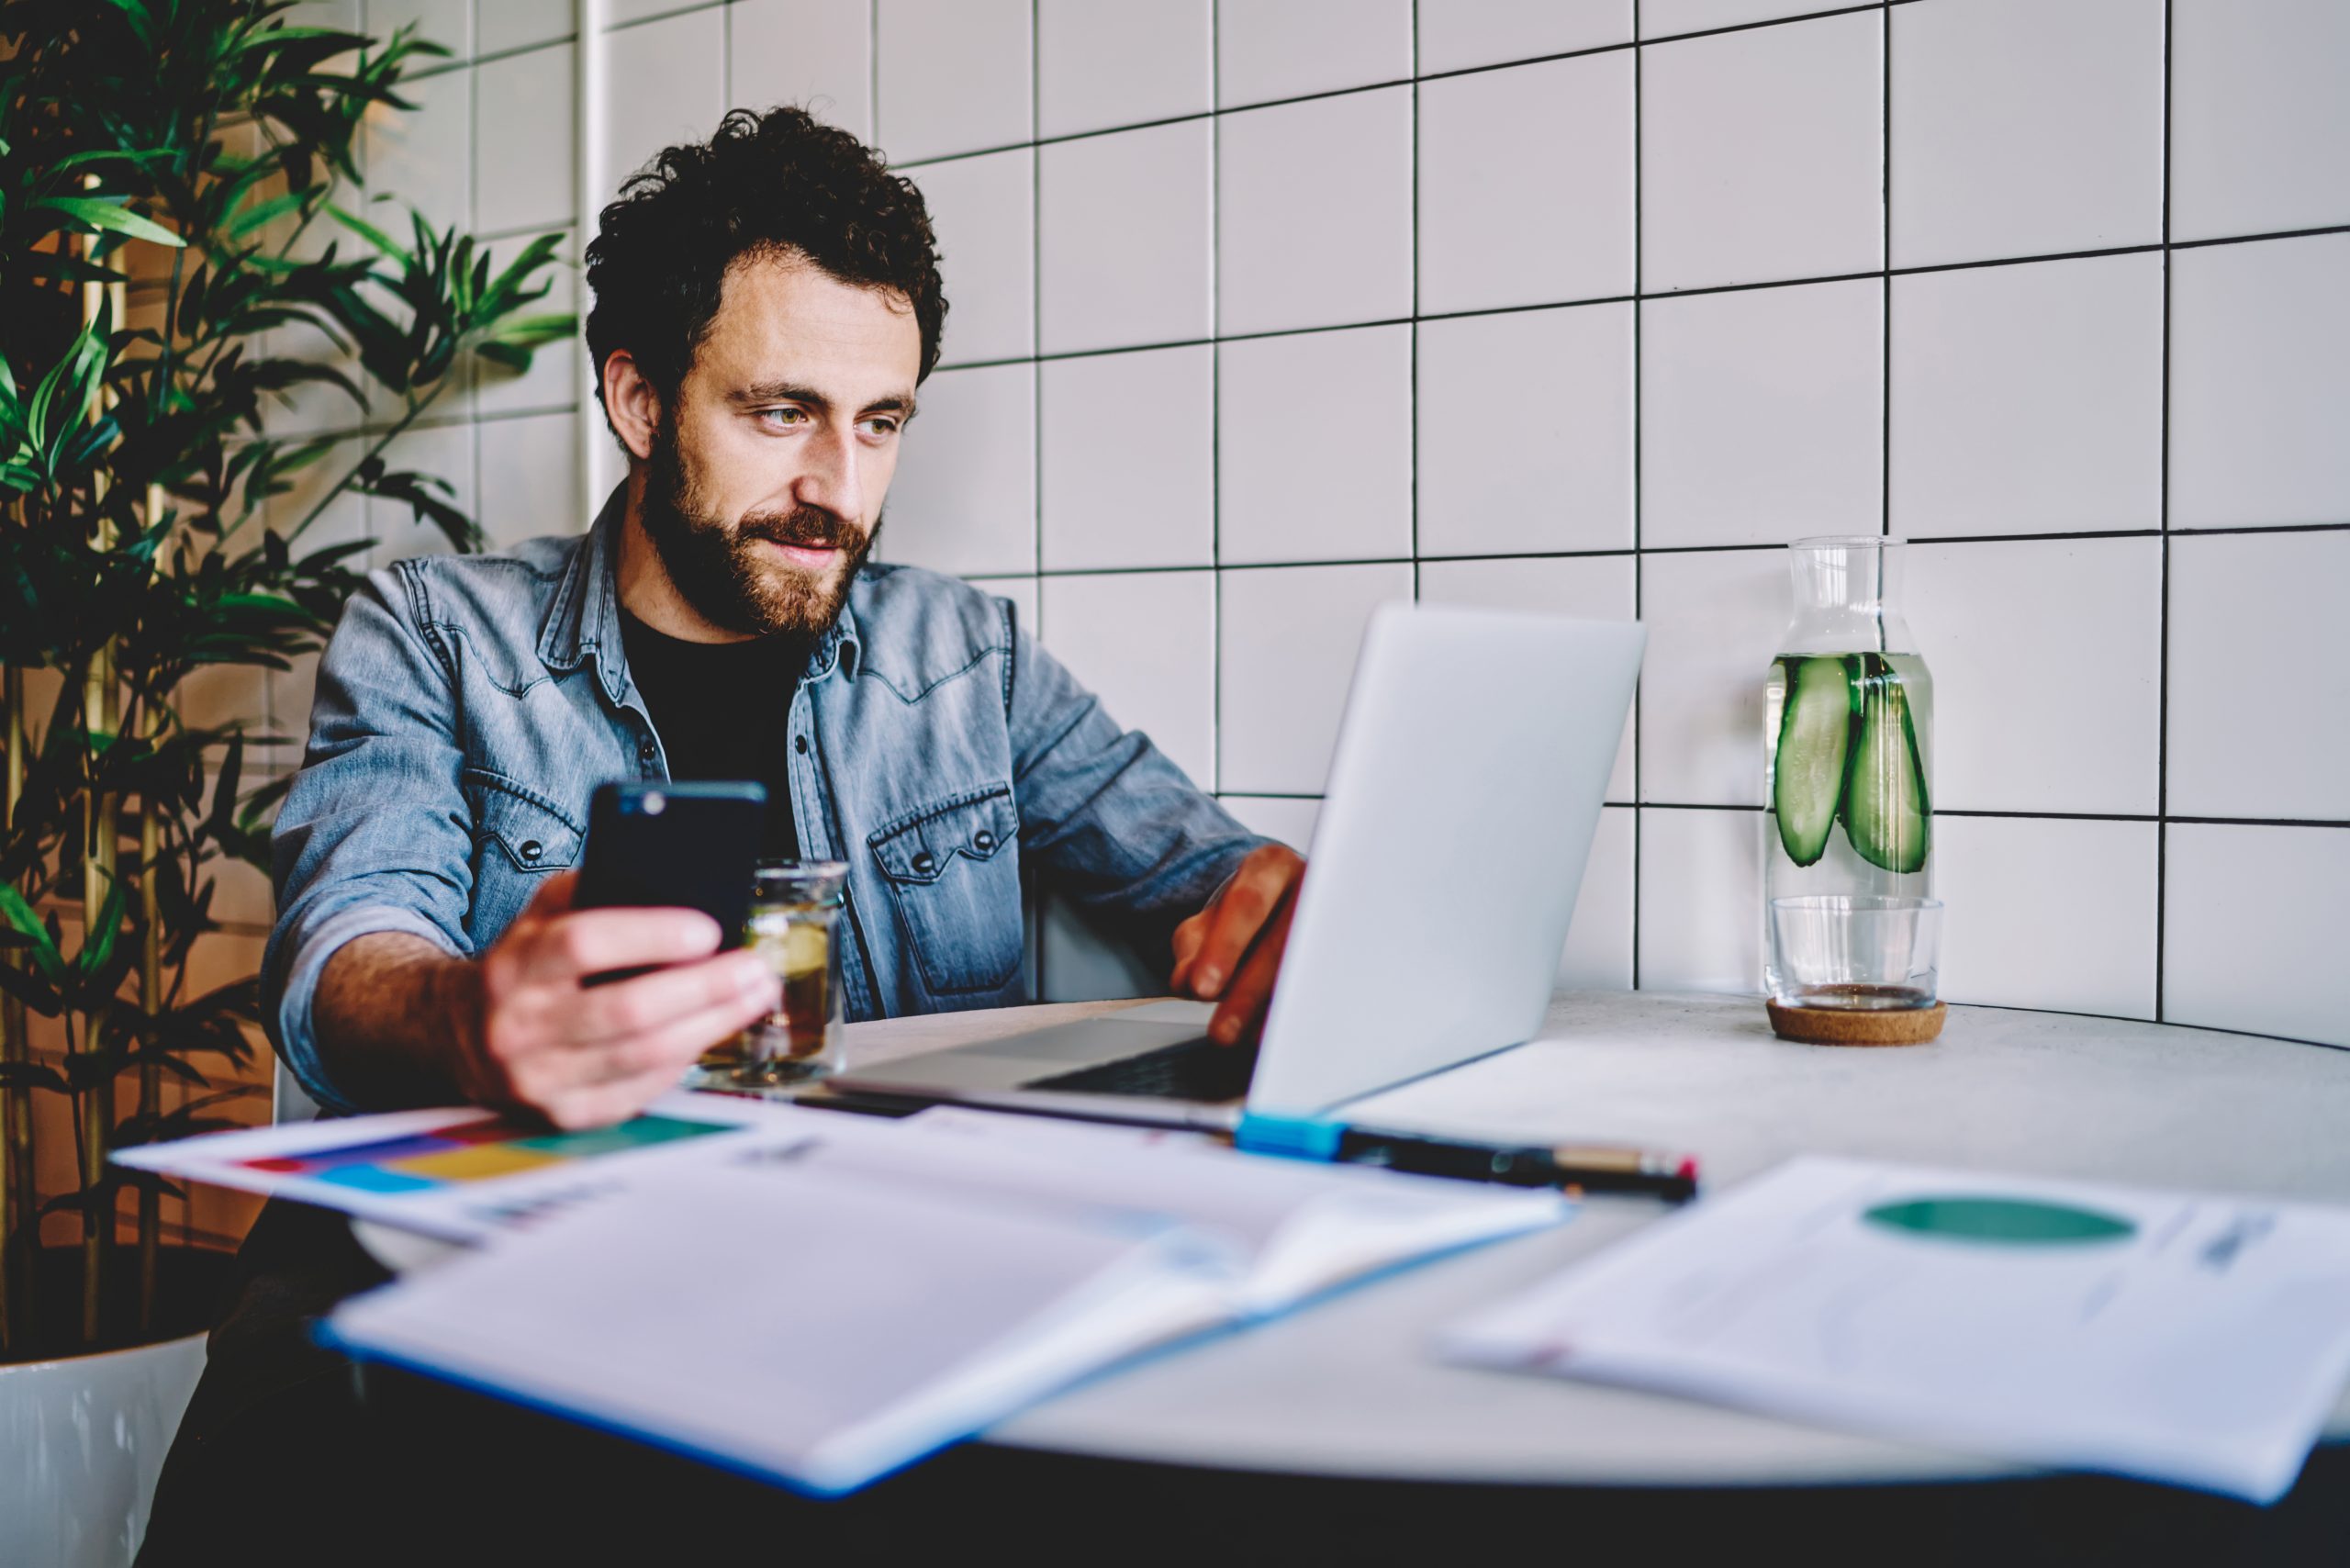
1855, 952
795, 912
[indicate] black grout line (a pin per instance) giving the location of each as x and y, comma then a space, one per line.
674, 12
1417, 266
521, 231
1767, 22
2027, 538
468, 394
1640, 679
2243, 239
1636, 297
1035, 291
1035, 918
2162, 656
2132, 1018
1213, 114
493, 57
1215, 408
2030, 816
1637, 553
2197, 532
1712, 806
1884, 259
1218, 110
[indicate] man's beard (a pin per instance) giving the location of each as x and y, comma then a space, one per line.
717, 566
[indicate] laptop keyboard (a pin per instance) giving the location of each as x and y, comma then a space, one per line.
1188, 1069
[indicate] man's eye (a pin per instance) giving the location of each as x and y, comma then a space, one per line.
785, 416
880, 425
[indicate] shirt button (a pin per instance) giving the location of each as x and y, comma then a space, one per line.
984, 842
799, 744
533, 849
924, 865
646, 751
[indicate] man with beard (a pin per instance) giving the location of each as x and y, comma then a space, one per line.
766, 306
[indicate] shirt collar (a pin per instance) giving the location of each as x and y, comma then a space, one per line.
583, 619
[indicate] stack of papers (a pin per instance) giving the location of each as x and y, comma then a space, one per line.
2196, 1339
822, 1297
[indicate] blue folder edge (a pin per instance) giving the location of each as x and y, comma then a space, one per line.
323, 1333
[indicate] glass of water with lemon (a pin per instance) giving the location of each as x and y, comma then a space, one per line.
795, 912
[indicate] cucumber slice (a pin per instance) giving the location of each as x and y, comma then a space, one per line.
1815, 746
1886, 814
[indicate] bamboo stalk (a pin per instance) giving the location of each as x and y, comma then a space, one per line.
99, 827
100, 824
151, 999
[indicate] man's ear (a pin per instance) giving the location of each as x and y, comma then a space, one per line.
631, 403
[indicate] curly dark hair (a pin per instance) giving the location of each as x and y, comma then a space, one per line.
776, 183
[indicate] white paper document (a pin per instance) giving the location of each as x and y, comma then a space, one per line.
838, 1295
2192, 1338
810, 1329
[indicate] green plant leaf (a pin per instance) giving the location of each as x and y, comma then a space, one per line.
546, 326
139, 1181
97, 944
98, 213
27, 924
262, 213
85, 1070
369, 232
32, 1075
35, 992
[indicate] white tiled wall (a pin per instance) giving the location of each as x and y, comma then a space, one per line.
1570, 306
1268, 310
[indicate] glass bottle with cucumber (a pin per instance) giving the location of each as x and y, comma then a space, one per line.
1848, 728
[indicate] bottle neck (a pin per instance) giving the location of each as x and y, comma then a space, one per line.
1846, 600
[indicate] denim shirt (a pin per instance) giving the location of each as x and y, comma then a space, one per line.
467, 707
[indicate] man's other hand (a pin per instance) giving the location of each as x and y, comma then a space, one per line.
531, 1034
1232, 949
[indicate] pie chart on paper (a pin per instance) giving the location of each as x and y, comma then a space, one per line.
2000, 1222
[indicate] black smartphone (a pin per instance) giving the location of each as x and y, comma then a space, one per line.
690, 846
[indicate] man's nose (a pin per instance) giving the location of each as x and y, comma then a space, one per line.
831, 478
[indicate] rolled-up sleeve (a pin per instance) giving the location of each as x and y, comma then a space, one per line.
1115, 825
374, 833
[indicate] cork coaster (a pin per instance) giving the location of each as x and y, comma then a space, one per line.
1853, 1027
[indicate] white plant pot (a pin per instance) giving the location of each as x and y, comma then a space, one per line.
81, 1443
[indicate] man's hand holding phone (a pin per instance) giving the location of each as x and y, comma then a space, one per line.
598, 996
535, 1034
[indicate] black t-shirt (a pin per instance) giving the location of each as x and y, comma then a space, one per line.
722, 711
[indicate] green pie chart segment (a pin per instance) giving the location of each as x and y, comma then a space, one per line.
2001, 1221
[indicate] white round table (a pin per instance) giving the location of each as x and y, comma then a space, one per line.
1347, 1387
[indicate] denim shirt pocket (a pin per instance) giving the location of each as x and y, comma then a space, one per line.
519, 837
955, 879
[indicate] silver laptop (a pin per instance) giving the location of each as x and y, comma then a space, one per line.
1470, 765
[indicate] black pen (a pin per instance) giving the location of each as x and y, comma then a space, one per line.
1575, 1166
1586, 1168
